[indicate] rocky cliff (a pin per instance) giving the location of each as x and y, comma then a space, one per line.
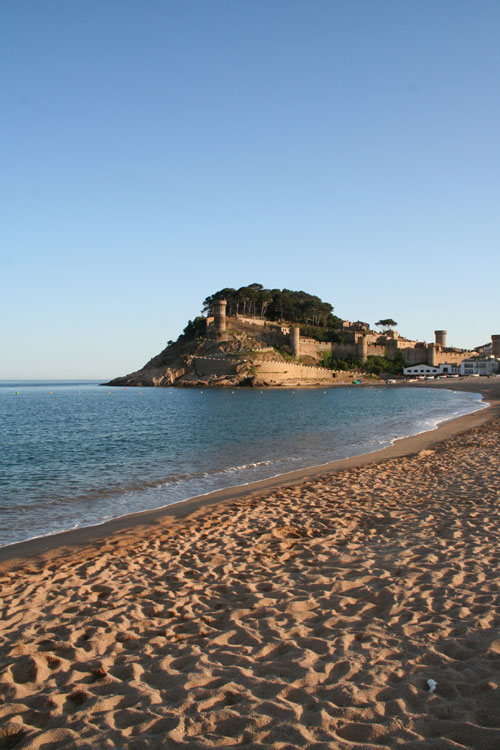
203, 360
251, 354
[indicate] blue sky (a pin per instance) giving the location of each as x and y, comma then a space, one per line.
154, 152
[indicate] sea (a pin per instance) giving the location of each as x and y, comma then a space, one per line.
75, 453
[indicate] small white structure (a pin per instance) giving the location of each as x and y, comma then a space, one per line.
426, 370
480, 366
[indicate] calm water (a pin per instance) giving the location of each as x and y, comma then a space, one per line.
75, 454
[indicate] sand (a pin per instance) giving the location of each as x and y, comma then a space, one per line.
308, 614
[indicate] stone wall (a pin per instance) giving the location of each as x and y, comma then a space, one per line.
415, 356
279, 373
253, 321
444, 356
422, 355
273, 372
204, 366
313, 348
343, 351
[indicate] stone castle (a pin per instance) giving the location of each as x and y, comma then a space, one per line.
359, 345
252, 351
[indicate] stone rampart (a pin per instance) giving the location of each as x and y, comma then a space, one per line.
278, 373
252, 321
204, 366
445, 356
312, 348
416, 356
343, 351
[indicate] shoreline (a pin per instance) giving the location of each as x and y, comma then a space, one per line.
309, 615
147, 519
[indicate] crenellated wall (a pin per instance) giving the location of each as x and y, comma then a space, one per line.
362, 345
279, 373
451, 356
312, 348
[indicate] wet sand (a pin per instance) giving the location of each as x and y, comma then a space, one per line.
307, 612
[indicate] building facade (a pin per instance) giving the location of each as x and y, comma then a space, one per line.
446, 368
480, 366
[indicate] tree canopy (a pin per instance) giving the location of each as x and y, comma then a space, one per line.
386, 323
275, 304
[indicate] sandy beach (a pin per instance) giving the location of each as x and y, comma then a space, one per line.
308, 611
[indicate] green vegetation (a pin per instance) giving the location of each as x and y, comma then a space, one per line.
194, 329
386, 323
286, 355
374, 365
315, 317
322, 334
332, 362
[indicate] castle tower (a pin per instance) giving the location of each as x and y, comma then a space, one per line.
431, 355
391, 349
440, 338
220, 316
363, 349
495, 345
295, 340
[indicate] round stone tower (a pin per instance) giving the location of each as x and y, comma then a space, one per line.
295, 340
440, 338
363, 349
391, 349
431, 355
495, 345
220, 316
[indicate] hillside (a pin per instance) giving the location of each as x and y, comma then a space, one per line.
206, 361
253, 349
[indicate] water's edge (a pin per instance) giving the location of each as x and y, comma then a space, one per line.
399, 446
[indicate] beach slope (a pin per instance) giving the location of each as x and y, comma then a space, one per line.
308, 615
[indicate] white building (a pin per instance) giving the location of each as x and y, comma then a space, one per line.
426, 370
480, 366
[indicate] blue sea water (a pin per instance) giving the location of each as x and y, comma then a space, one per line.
76, 454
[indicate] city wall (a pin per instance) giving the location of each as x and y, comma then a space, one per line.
277, 373
364, 344
206, 366
313, 348
272, 372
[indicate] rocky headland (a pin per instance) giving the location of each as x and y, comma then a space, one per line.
249, 353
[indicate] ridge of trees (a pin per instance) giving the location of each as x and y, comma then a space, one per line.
374, 364
275, 305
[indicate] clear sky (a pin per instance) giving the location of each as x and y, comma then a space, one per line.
155, 151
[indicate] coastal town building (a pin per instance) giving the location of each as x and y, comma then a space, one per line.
480, 366
448, 368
